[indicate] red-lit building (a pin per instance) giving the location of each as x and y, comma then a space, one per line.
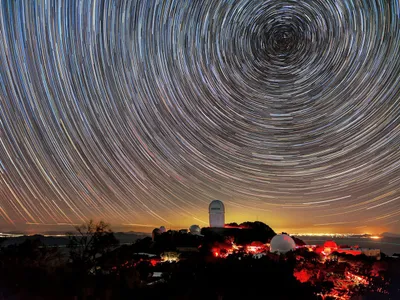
329, 247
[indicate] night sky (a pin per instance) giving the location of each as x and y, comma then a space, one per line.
141, 112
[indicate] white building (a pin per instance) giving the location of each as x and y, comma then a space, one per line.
282, 243
217, 214
371, 252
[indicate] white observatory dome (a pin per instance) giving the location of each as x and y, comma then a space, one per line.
163, 229
217, 213
282, 243
195, 229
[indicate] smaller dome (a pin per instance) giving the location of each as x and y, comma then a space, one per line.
163, 229
329, 247
330, 244
282, 243
195, 229
156, 232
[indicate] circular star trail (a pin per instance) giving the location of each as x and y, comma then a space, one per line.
142, 112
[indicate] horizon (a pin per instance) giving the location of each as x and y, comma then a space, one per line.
149, 229
233, 214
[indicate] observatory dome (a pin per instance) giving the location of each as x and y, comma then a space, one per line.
282, 243
217, 205
195, 229
330, 246
156, 232
217, 214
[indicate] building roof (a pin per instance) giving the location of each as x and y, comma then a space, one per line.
330, 244
216, 206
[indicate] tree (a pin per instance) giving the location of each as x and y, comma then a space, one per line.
89, 242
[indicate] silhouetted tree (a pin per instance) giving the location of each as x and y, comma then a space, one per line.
89, 242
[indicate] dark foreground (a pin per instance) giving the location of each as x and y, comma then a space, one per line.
183, 266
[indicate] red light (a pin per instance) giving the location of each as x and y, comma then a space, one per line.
153, 262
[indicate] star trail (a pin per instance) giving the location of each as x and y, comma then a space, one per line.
141, 112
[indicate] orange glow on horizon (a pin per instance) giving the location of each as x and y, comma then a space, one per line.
284, 221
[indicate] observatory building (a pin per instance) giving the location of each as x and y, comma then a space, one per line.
195, 229
217, 214
155, 233
282, 243
330, 246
